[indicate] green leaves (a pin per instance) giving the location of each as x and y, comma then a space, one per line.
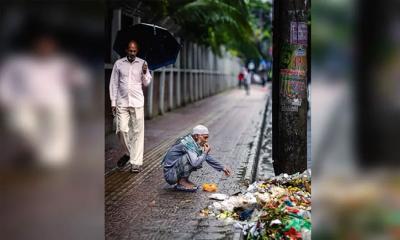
234, 24
218, 23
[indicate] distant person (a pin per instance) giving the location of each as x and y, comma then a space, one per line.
128, 76
262, 69
187, 155
247, 82
251, 66
251, 69
242, 76
240, 79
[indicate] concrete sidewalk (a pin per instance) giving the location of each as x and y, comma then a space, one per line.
143, 206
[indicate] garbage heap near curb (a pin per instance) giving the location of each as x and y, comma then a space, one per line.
276, 208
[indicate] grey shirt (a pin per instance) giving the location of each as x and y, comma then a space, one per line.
178, 150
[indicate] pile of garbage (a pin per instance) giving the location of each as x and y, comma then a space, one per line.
276, 208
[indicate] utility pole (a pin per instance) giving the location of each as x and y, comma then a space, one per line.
289, 94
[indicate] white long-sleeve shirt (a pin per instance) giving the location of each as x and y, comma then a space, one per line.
126, 83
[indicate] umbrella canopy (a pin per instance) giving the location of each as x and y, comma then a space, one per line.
156, 44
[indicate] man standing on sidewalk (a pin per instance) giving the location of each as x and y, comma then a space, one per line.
187, 155
128, 76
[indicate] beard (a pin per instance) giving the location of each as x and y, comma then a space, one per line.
202, 143
131, 57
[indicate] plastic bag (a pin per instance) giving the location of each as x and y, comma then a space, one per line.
210, 187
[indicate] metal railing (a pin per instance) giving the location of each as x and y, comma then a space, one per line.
188, 80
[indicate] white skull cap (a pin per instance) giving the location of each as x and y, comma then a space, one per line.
200, 129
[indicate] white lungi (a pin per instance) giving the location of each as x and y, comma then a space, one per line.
130, 127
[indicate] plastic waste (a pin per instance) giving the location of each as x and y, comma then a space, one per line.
275, 222
275, 208
218, 196
293, 234
237, 225
210, 187
262, 198
217, 205
246, 214
305, 234
298, 224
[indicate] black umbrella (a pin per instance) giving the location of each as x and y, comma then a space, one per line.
156, 44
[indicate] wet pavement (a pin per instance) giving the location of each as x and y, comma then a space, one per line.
143, 206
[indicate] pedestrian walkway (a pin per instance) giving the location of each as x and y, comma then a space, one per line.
143, 206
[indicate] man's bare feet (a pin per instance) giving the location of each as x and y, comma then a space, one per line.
194, 185
187, 184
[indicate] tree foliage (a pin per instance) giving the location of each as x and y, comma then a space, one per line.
216, 23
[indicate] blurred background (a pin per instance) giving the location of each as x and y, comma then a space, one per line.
355, 109
51, 104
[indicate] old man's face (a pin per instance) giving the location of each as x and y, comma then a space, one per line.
132, 51
202, 139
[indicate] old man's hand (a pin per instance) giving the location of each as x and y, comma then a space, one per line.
227, 171
206, 148
144, 69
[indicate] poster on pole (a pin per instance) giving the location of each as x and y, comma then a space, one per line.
298, 33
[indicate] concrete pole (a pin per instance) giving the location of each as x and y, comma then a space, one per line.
178, 78
149, 101
214, 78
162, 90
185, 74
223, 70
203, 58
196, 75
219, 74
190, 57
226, 77
171, 88
206, 74
290, 86
202, 74
228, 70
199, 74
211, 77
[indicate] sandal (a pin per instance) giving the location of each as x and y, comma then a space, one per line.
182, 188
123, 161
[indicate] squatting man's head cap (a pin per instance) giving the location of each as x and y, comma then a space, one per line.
200, 129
